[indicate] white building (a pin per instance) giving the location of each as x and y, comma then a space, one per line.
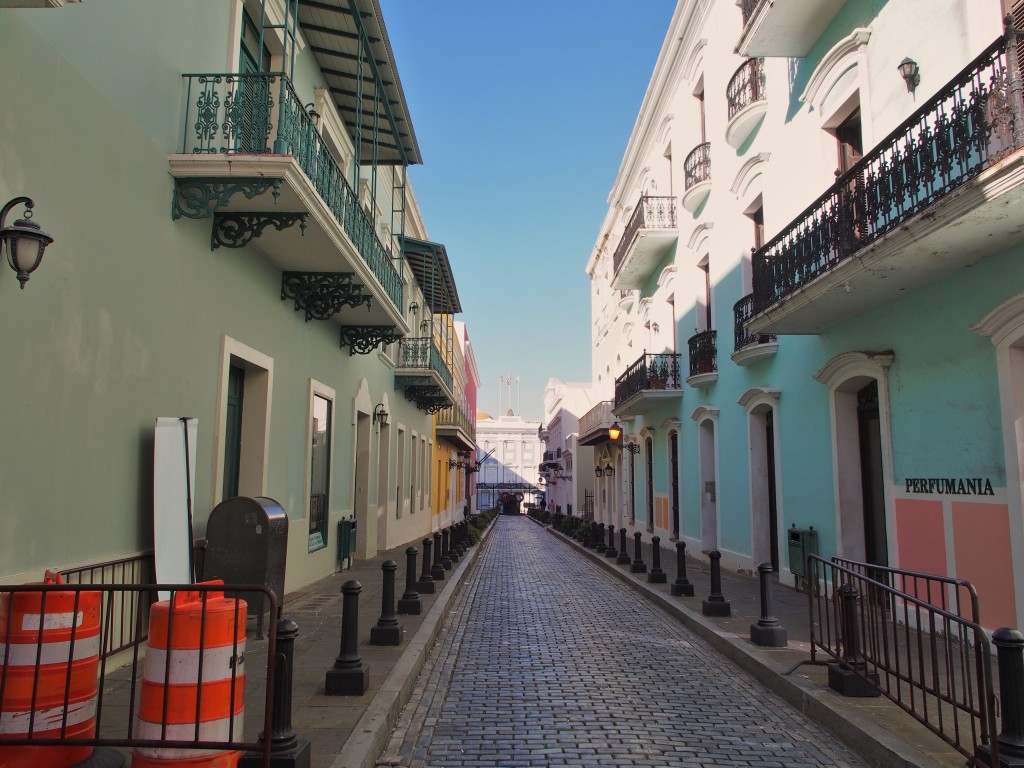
567, 467
510, 450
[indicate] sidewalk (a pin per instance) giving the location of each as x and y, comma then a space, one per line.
351, 732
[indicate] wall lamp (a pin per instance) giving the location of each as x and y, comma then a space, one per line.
609, 470
910, 72
414, 308
380, 415
598, 471
615, 432
24, 241
313, 114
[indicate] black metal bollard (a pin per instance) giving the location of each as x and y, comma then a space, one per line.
623, 558
387, 630
681, 586
716, 604
458, 539
610, 550
437, 569
656, 576
446, 555
425, 586
599, 538
349, 676
850, 676
410, 602
286, 748
1009, 645
638, 566
768, 631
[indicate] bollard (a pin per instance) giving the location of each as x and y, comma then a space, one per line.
623, 558
768, 631
349, 676
598, 539
681, 587
1009, 645
387, 630
410, 602
656, 576
446, 555
458, 539
286, 748
425, 586
453, 544
437, 569
610, 550
716, 604
638, 566
850, 676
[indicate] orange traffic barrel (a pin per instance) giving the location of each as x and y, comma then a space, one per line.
193, 680
49, 661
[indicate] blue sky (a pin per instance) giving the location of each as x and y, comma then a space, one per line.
522, 112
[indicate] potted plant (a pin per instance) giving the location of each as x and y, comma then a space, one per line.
658, 375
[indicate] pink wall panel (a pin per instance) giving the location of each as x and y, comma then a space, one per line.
981, 540
921, 536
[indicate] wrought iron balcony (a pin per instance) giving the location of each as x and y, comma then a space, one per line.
652, 378
749, 347
454, 424
424, 375
775, 28
697, 176
649, 234
746, 96
890, 210
703, 353
237, 116
594, 423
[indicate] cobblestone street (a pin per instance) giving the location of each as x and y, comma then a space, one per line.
547, 661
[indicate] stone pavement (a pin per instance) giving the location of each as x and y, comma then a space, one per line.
352, 732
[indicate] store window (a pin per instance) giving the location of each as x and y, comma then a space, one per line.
320, 472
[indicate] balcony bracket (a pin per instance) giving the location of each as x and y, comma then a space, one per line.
429, 398
323, 294
236, 230
199, 198
363, 339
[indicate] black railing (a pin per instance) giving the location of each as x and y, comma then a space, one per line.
650, 372
421, 352
928, 658
75, 701
746, 86
742, 311
703, 353
953, 137
651, 212
697, 166
747, 8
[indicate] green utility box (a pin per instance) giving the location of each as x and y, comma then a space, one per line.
802, 542
346, 541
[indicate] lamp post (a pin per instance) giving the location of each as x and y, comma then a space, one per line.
24, 241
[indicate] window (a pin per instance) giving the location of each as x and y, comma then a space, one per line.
632, 488
233, 430
319, 472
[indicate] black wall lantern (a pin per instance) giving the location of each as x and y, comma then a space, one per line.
598, 471
380, 415
910, 72
609, 470
615, 432
23, 241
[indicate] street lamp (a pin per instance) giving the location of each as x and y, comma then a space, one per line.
598, 471
24, 241
615, 432
609, 470
380, 415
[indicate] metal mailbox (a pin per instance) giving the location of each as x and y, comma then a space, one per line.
247, 543
346, 541
802, 542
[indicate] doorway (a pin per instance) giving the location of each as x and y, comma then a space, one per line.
869, 433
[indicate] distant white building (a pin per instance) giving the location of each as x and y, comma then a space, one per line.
566, 466
510, 451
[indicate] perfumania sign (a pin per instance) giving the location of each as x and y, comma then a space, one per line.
953, 486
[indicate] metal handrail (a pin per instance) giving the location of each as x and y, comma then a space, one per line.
942, 677
746, 86
649, 372
742, 311
697, 165
703, 352
955, 135
651, 212
596, 416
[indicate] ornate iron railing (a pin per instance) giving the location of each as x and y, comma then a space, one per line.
420, 352
747, 8
746, 86
455, 416
596, 416
236, 114
697, 166
742, 311
953, 137
651, 212
925, 656
649, 372
703, 353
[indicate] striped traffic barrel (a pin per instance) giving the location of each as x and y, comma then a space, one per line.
193, 680
49, 661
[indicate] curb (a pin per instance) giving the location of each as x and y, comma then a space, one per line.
371, 733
